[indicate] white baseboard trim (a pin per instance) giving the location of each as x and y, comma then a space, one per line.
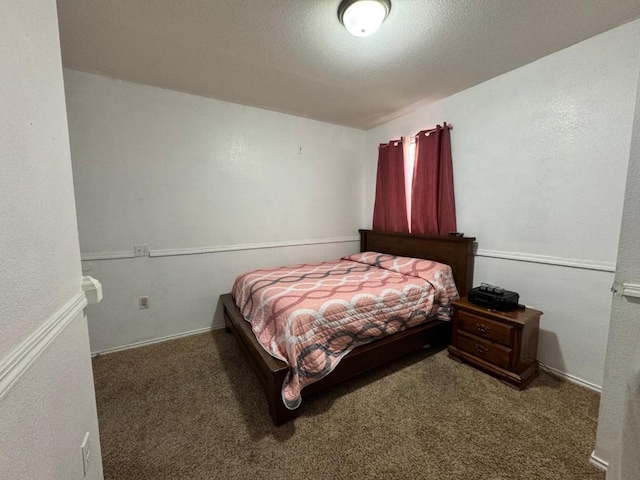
558, 261
145, 343
172, 252
573, 379
598, 462
16, 364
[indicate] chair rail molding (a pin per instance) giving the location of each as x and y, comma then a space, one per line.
630, 290
16, 364
92, 288
172, 252
504, 255
549, 260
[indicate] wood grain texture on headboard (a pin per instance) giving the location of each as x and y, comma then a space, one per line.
454, 251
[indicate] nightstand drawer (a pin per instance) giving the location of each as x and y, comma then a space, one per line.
491, 352
485, 328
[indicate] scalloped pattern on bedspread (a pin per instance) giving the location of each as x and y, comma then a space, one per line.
312, 315
438, 274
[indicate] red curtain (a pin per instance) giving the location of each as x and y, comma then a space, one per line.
390, 209
433, 207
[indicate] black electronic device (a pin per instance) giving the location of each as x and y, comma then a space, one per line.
495, 298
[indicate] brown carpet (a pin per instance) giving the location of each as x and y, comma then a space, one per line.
192, 409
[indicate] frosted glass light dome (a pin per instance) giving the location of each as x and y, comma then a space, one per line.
363, 17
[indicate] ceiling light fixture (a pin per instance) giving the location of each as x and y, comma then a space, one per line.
363, 17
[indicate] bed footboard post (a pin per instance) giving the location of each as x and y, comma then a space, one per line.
269, 371
279, 413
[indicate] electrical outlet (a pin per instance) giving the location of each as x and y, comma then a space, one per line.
86, 454
141, 249
143, 302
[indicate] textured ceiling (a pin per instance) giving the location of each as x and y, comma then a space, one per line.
294, 56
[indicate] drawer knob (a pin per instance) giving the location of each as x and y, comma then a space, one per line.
482, 328
481, 350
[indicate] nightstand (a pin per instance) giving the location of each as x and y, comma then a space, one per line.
503, 344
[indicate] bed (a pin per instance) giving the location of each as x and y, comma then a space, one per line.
273, 372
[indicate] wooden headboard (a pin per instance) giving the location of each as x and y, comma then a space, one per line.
454, 251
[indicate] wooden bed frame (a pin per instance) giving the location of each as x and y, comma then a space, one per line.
454, 251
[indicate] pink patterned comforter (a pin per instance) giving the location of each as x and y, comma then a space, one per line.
312, 315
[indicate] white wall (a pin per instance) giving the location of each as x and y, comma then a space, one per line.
540, 158
182, 172
46, 414
39, 236
46, 384
618, 428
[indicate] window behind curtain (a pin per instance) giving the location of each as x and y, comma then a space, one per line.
409, 146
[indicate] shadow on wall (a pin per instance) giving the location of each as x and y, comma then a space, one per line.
634, 300
217, 322
549, 344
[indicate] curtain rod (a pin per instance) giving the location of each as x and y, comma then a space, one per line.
413, 137
427, 132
